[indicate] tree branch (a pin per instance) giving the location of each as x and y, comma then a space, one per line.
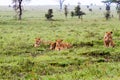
63, 1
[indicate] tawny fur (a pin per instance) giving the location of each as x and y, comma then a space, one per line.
37, 42
52, 45
108, 41
59, 45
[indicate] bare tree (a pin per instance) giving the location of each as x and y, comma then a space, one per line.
66, 10
18, 8
60, 3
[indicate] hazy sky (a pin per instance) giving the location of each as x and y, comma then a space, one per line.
55, 2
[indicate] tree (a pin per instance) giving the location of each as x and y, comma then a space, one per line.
118, 8
17, 5
72, 14
61, 3
49, 15
77, 12
18, 8
114, 1
66, 10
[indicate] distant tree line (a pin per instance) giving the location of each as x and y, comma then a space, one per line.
77, 12
18, 8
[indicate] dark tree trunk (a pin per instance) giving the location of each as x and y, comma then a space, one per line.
119, 15
20, 9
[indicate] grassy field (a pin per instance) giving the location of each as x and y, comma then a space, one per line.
88, 59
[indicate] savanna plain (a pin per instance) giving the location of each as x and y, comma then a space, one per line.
88, 59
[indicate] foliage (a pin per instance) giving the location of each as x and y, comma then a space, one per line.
113, 1
77, 12
49, 15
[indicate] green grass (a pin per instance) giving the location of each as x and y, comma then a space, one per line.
87, 60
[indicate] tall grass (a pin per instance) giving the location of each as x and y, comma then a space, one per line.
88, 59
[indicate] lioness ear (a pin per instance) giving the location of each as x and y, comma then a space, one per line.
106, 32
111, 32
37, 38
61, 39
